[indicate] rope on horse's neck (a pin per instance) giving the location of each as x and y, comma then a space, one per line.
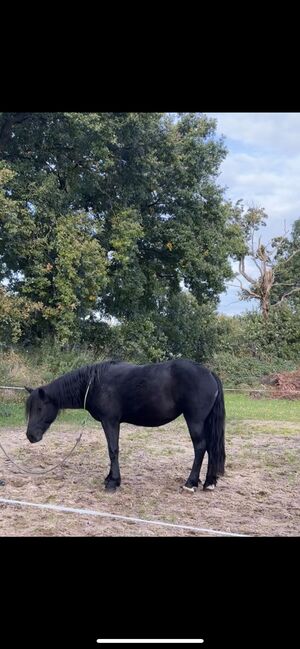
66, 456
85, 396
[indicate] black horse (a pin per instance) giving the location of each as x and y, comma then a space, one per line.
144, 395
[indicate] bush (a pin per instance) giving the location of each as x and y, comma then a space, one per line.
278, 336
245, 370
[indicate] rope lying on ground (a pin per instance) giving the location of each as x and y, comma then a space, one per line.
21, 468
130, 519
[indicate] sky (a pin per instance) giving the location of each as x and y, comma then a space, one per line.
262, 168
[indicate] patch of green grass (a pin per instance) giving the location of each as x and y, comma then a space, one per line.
241, 406
13, 414
244, 428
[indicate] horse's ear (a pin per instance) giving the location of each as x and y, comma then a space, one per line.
28, 389
42, 393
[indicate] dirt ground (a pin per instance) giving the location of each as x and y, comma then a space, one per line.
258, 496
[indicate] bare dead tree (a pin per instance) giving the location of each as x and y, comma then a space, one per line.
264, 258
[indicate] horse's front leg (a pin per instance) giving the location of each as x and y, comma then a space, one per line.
112, 429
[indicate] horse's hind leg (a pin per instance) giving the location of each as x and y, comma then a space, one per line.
196, 430
211, 476
212, 467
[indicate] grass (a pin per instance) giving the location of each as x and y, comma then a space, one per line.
238, 407
241, 406
13, 414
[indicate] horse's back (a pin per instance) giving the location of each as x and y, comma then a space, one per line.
179, 374
155, 393
192, 376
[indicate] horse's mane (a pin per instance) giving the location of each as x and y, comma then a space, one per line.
73, 383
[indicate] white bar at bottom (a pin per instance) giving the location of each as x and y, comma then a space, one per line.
148, 641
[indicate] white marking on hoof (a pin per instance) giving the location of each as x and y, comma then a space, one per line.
210, 487
190, 489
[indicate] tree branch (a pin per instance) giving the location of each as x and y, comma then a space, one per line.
246, 290
243, 272
290, 257
283, 283
285, 295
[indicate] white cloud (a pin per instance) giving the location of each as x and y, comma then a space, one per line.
268, 183
278, 132
263, 169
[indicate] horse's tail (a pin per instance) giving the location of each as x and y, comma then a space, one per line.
214, 428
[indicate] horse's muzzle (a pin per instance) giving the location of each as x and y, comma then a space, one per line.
34, 438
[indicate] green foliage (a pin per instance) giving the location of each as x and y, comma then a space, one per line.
248, 221
52, 361
110, 213
181, 328
140, 341
189, 328
78, 274
250, 347
115, 241
16, 316
230, 335
287, 270
246, 370
126, 278
279, 336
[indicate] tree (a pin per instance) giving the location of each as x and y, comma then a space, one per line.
112, 212
287, 270
190, 329
272, 261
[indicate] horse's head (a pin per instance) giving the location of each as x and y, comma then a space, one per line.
41, 411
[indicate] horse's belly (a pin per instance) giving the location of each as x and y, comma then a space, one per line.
150, 417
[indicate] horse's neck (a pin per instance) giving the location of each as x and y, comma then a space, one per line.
69, 394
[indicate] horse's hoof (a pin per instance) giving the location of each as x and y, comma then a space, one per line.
111, 485
210, 487
2, 483
192, 490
